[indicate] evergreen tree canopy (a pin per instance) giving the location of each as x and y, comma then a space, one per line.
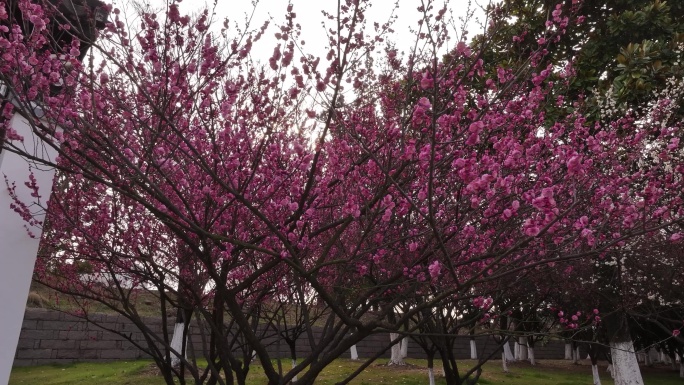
629, 48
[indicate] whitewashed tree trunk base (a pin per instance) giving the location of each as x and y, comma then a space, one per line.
507, 352
473, 350
294, 363
177, 344
431, 375
568, 351
595, 375
354, 353
404, 347
625, 365
503, 362
396, 358
610, 370
530, 355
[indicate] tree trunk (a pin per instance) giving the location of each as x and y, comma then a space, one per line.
625, 365
507, 351
354, 353
294, 363
177, 339
664, 357
404, 347
681, 368
530, 354
593, 349
576, 356
431, 365
396, 358
611, 370
595, 374
516, 343
473, 349
503, 362
568, 351
522, 345
516, 350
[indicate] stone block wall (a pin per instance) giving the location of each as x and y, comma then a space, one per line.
49, 337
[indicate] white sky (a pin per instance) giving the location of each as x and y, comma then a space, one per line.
309, 16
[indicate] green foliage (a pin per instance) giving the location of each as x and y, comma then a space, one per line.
643, 68
84, 267
632, 45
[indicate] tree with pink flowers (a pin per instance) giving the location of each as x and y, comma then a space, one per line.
190, 172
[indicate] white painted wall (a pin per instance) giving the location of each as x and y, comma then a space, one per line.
18, 250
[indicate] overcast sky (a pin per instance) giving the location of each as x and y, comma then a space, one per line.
310, 17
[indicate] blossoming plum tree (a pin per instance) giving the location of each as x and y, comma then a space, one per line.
194, 174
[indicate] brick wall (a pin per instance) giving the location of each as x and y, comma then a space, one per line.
49, 337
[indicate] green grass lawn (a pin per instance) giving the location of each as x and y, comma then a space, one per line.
142, 372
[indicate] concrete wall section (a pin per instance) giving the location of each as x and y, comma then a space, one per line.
19, 239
